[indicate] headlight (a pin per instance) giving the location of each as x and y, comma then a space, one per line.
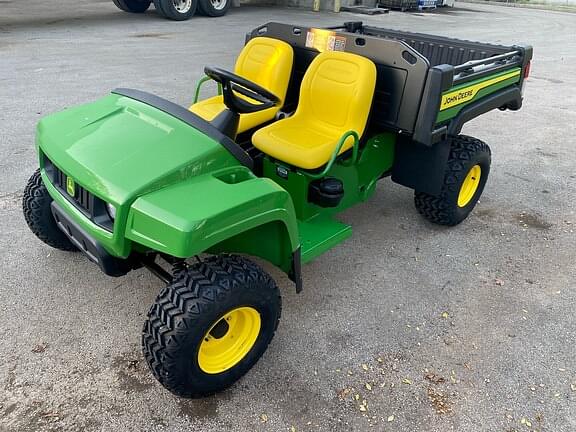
111, 210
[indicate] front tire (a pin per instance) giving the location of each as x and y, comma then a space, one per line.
38, 215
177, 10
464, 180
210, 325
134, 6
213, 8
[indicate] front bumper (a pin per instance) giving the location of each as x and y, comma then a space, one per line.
110, 265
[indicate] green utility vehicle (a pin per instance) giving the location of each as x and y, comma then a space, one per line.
304, 128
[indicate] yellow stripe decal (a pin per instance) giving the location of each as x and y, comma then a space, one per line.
466, 94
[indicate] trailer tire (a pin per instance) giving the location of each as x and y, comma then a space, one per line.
168, 9
213, 8
38, 215
187, 341
134, 6
466, 173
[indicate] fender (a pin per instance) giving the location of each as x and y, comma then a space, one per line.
217, 212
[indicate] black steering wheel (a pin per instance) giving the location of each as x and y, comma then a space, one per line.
232, 84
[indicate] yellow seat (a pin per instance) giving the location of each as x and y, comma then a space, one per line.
268, 63
335, 97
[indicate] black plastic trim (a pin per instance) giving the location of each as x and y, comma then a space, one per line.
509, 96
295, 274
189, 118
109, 264
85, 201
439, 80
420, 167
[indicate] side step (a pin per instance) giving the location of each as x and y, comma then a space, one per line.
319, 235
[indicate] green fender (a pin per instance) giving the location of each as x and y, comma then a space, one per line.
229, 210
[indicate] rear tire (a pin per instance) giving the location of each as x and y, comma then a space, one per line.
177, 10
466, 174
186, 338
38, 215
134, 6
213, 8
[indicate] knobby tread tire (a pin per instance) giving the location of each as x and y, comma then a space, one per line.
38, 215
465, 152
186, 308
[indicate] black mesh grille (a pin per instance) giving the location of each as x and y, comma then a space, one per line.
82, 198
90, 205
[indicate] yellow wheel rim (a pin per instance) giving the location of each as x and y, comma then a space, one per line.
229, 340
469, 186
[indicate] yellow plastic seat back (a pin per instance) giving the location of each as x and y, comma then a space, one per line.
268, 63
335, 97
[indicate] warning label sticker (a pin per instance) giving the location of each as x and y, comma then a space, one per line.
325, 40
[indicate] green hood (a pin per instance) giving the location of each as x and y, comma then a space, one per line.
119, 148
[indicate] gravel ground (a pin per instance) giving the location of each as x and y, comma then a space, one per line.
463, 329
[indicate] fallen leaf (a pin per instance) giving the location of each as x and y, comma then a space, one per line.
368, 386
263, 418
365, 366
357, 396
573, 387
406, 381
363, 408
292, 429
499, 282
445, 315
390, 418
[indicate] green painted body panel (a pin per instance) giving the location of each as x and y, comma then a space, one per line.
376, 158
449, 113
192, 216
318, 231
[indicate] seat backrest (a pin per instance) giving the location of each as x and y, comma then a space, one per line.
268, 63
336, 92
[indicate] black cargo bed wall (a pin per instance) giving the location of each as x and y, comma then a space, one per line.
439, 50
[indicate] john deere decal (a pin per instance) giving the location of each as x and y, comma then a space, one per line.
466, 94
70, 186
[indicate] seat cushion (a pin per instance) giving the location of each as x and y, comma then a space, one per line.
209, 108
298, 143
